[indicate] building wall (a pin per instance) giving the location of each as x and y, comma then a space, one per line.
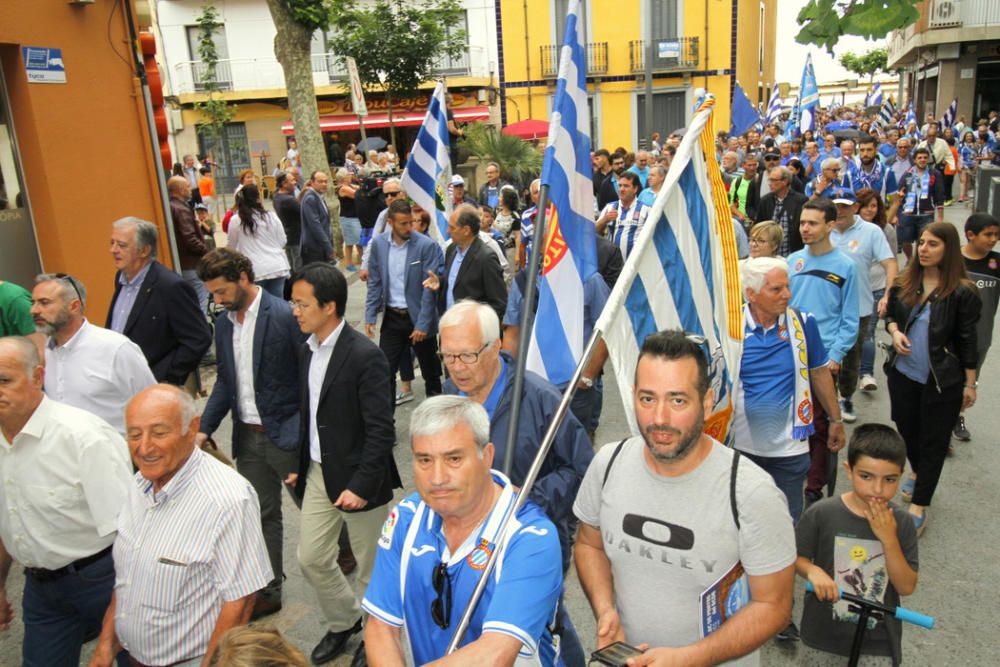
86, 153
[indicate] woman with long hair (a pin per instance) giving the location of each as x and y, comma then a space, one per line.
259, 234
871, 209
967, 153
932, 313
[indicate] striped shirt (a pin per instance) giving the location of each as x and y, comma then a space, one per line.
181, 553
628, 222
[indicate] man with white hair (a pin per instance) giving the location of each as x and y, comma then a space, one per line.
829, 179
784, 366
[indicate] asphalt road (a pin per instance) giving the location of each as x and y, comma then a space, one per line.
958, 552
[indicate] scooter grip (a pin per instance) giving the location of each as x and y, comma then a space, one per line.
916, 618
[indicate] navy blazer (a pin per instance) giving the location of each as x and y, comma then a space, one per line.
167, 323
276, 342
422, 255
480, 278
315, 244
354, 420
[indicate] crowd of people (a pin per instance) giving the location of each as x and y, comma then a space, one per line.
165, 558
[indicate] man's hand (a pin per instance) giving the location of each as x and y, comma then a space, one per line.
370, 329
363, 275
102, 657
418, 336
6, 612
881, 520
292, 479
348, 501
609, 628
199, 440
433, 283
834, 367
663, 657
883, 303
823, 586
835, 439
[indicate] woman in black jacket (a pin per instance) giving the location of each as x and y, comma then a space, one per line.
932, 314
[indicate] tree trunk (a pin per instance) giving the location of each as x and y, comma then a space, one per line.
291, 47
392, 121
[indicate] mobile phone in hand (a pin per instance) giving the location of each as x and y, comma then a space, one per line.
615, 655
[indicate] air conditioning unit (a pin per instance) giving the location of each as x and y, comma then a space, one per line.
945, 14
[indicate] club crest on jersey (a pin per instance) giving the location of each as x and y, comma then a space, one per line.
479, 556
799, 263
992, 264
388, 528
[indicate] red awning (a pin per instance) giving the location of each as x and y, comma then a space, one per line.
379, 120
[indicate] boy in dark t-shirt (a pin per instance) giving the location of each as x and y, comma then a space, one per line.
982, 263
860, 543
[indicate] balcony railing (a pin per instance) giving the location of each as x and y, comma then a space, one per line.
597, 59
265, 73
669, 55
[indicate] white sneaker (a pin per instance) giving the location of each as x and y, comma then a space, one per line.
868, 383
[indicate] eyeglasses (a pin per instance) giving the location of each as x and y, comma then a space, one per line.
759, 242
393, 194
298, 305
467, 358
72, 281
441, 606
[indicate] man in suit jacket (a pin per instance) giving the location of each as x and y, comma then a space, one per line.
153, 306
783, 205
397, 266
471, 270
315, 242
346, 473
257, 346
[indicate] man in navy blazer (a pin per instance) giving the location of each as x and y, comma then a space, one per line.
315, 243
399, 262
153, 306
257, 347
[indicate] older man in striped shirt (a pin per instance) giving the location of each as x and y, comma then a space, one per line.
190, 553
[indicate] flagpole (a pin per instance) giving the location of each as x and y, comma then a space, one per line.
527, 322
529, 479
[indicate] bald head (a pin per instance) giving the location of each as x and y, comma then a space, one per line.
21, 379
161, 424
21, 350
178, 186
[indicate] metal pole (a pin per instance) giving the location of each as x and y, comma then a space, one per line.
649, 75
364, 137
527, 321
529, 481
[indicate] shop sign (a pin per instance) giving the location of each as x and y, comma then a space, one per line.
44, 65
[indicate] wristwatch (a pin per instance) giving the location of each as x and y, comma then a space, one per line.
587, 382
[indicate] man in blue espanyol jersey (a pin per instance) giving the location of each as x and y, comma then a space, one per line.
435, 545
622, 220
824, 284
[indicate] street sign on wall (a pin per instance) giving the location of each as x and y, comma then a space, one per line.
43, 65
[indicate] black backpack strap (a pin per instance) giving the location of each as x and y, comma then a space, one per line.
732, 487
611, 461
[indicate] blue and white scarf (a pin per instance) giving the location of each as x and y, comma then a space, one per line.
872, 179
920, 187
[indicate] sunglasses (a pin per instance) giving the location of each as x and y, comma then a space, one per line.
72, 281
441, 606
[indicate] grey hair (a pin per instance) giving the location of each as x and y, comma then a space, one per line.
442, 413
753, 271
341, 174
394, 181
830, 163
185, 402
26, 350
456, 316
70, 286
146, 233
784, 172
659, 169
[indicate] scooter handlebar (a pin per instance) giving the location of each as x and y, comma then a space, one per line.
901, 613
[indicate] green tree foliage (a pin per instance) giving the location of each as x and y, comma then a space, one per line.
397, 45
824, 21
215, 110
866, 64
311, 14
519, 160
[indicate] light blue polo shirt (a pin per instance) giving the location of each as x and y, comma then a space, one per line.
866, 245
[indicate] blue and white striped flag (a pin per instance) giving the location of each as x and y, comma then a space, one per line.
874, 96
911, 117
808, 97
428, 169
887, 112
948, 119
570, 250
683, 273
774, 107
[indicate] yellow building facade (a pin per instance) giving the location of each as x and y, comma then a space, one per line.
707, 44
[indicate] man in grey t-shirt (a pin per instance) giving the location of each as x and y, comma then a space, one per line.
665, 516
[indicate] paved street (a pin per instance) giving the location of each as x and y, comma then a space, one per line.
958, 562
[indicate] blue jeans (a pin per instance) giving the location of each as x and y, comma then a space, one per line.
191, 277
59, 613
868, 347
274, 286
789, 474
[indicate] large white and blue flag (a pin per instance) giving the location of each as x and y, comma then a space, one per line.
570, 246
874, 96
683, 273
774, 107
887, 112
948, 119
808, 97
428, 169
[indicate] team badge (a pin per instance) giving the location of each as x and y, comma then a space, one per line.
783, 332
388, 528
854, 244
799, 263
992, 264
805, 412
479, 556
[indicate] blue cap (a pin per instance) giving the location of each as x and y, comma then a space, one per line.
843, 196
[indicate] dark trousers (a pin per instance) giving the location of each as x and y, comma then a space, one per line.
788, 473
59, 613
818, 451
924, 418
848, 377
394, 340
266, 467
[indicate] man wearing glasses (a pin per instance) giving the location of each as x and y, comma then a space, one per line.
435, 545
828, 180
346, 470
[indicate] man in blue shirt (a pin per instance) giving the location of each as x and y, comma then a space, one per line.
869, 172
436, 543
824, 284
641, 166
